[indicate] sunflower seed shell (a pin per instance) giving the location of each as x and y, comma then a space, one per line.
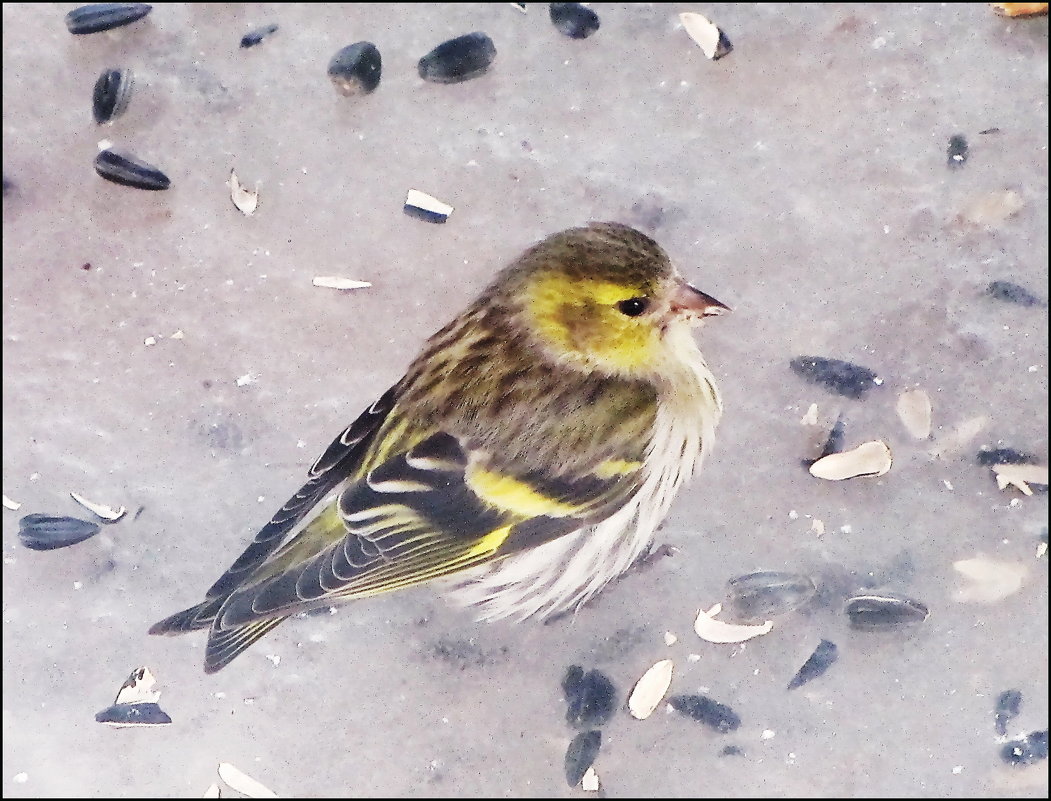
40, 532
127, 170
98, 17
458, 59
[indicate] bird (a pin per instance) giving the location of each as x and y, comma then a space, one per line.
526, 457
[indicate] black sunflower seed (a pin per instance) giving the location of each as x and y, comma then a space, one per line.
111, 95
125, 169
103, 16
574, 20
1013, 293
591, 697
356, 69
1025, 750
884, 611
458, 59
252, 38
1008, 705
704, 710
46, 532
843, 378
144, 714
821, 660
957, 152
759, 596
581, 754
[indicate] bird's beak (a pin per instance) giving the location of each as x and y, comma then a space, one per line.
693, 302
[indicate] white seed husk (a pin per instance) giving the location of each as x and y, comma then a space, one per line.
868, 459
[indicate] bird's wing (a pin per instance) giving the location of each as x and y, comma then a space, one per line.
433, 510
340, 461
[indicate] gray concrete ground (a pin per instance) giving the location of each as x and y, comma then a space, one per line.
802, 179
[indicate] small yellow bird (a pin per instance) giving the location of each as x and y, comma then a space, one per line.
529, 452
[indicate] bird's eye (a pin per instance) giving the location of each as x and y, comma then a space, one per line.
633, 307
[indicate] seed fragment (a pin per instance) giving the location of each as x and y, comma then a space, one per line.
574, 20
1008, 705
817, 663
252, 38
136, 703
836, 375
712, 630
884, 612
957, 152
591, 697
138, 688
40, 532
1013, 293
355, 70
107, 513
338, 282
989, 580
243, 783
98, 17
704, 710
111, 95
650, 689
458, 59
245, 200
127, 170
581, 754
768, 593
833, 443
425, 207
706, 34
914, 411
122, 716
1020, 476
868, 459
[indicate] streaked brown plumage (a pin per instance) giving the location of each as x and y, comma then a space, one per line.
529, 452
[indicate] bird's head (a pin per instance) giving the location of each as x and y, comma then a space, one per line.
604, 297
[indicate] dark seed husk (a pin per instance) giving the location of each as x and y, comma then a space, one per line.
842, 378
821, 660
111, 96
458, 59
704, 710
957, 152
762, 595
833, 444
884, 611
987, 457
1026, 750
125, 169
144, 714
252, 38
574, 20
103, 16
581, 755
1008, 705
46, 532
1013, 293
355, 70
591, 697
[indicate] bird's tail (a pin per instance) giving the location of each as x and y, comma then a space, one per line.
196, 617
226, 644
223, 644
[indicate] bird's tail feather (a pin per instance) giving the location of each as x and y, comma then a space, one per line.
196, 617
225, 645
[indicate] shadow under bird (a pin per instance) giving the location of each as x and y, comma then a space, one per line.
529, 453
